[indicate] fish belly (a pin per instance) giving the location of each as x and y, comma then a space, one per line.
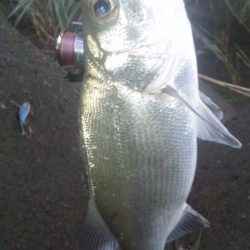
141, 152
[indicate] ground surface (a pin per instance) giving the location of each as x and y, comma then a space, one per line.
42, 196
41, 187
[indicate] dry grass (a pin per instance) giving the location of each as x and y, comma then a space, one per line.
219, 26
48, 17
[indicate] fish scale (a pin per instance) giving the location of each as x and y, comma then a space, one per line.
139, 162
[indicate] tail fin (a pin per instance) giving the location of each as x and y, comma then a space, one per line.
95, 235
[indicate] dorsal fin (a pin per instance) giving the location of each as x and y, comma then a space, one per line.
190, 221
95, 235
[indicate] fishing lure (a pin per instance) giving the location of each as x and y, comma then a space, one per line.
23, 112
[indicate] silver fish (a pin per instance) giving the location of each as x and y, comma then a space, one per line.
141, 115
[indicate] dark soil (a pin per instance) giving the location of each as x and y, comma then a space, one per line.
42, 197
42, 201
221, 191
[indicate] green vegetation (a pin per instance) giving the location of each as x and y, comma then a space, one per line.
177, 245
48, 17
198, 241
223, 28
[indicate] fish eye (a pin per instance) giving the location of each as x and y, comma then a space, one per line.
102, 8
103, 11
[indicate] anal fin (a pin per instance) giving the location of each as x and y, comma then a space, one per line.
191, 221
95, 235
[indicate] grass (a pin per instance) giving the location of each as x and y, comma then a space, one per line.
232, 87
198, 241
222, 27
48, 17
197, 244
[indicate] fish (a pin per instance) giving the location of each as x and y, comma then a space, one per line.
141, 114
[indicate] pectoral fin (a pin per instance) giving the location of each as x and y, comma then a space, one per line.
212, 106
208, 126
190, 221
95, 234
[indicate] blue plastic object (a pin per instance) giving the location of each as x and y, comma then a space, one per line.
23, 112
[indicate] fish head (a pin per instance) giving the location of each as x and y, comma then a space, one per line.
135, 42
